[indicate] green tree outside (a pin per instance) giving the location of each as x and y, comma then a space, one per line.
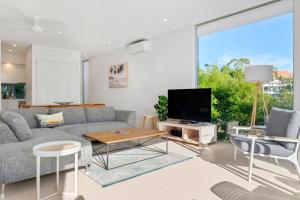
232, 96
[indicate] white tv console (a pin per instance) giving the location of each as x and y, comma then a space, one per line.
200, 134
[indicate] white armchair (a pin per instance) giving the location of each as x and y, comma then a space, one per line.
280, 139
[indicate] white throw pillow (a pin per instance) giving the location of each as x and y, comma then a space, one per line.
49, 121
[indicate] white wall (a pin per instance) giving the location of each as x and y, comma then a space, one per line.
297, 54
13, 58
170, 65
13, 67
13, 73
0, 76
85, 75
29, 91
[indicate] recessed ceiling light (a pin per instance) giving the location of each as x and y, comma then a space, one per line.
165, 20
10, 50
59, 32
14, 45
108, 42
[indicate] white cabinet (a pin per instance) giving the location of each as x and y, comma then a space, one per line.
57, 81
200, 133
54, 75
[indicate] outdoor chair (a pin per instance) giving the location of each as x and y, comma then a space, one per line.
279, 140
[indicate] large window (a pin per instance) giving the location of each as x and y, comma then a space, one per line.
224, 54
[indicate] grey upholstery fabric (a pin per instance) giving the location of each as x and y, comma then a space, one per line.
17, 124
261, 146
29, 115
80, 129
6, 134
126, 116
18, 162
104, 114
278, 123
71, 115
293, 129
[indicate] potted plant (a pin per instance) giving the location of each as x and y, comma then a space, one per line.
161, 108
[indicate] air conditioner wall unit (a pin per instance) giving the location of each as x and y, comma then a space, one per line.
139, 47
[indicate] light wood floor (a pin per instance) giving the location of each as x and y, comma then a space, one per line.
208, 176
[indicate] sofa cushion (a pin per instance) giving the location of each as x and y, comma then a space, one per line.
18, 162
261, 146
50, 121
17, 124
29, 115
71, 115
6, 134
104, 114
293, 129
126, 116
80, 129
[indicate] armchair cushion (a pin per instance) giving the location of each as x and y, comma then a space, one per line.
293, 130
278, 124
261, 146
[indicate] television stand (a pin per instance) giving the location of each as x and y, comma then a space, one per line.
200, 134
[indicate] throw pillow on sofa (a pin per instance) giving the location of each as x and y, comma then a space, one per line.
50, 121
104, 114
6, 134
17, 124
29, 115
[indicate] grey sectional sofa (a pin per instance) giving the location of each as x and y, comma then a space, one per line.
16, 159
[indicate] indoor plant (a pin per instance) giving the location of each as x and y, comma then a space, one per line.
162, 108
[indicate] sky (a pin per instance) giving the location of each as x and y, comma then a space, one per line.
268, 41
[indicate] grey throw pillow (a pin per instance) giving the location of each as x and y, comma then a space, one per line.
100, 114
29, 115
293, 129
17, 124
6, 134
278, 122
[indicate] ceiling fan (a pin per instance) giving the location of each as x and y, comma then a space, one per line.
37, 25
32, 24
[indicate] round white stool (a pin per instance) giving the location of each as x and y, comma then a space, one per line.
55, 149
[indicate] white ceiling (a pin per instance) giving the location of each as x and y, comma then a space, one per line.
88, 25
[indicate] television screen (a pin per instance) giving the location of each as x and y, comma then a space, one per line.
190, 104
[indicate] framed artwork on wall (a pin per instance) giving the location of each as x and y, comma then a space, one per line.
118, 76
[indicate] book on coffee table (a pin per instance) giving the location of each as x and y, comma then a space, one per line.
120, 131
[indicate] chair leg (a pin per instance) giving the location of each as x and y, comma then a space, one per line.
296, 163
297, 169
276, 161
2, 196
251, 160
234, 153
87, 172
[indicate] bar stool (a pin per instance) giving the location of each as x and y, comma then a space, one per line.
153, 119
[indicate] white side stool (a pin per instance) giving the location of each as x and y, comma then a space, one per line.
55, 149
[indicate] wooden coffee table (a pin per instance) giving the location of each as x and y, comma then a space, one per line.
130, 134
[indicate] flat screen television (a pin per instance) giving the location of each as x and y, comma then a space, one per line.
191, 105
